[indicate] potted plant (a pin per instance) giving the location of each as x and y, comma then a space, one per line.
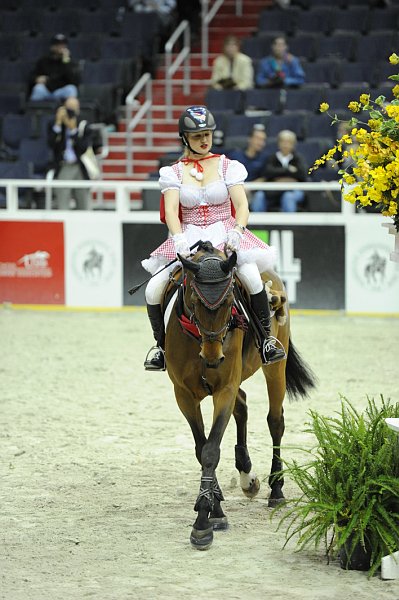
369, 150
349, 488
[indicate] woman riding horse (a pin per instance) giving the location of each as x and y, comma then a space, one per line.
205, 199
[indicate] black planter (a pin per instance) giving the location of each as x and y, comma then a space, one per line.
360, 559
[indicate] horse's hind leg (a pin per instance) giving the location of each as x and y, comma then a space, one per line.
275, 378
248, 480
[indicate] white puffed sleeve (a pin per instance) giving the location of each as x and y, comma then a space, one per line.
168, 179
236, 173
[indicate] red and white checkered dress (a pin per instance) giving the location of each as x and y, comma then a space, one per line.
206, 216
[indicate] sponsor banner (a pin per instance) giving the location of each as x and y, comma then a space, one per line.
311, 262
372, 279
139, 240
93, 269
32, 262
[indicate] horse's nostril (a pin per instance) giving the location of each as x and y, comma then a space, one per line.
214, 364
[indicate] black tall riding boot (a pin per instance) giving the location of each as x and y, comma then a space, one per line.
156, 362
271, 350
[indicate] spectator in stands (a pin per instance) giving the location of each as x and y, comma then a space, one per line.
232, 69
69, 138
280, 69
285, 165
253, 158
55, 75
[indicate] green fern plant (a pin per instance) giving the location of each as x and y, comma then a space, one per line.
350, 485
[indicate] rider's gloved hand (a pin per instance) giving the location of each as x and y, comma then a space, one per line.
181, 245
233, 240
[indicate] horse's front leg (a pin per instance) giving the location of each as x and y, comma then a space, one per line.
248, 479
275, 377
210, 495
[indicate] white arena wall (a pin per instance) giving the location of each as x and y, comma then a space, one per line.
329, 261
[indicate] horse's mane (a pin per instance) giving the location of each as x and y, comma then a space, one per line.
206, 247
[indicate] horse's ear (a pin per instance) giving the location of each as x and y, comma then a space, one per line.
189, 264
230, 262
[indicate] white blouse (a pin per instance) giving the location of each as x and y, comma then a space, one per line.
215, 192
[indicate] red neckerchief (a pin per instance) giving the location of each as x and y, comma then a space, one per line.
196, 161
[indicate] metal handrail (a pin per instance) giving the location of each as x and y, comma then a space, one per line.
206, 17
122, 189
145, 82
171, 66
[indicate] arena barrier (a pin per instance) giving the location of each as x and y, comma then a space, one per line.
328, 261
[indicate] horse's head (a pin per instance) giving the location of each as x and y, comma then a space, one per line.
209, 298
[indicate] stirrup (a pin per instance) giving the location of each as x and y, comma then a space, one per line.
157, 362
275, 347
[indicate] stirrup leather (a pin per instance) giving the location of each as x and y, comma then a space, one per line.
270, 344
157, 361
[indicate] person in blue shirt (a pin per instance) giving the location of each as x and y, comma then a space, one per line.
280, 69
253, 157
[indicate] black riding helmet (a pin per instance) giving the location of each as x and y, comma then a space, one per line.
195, 118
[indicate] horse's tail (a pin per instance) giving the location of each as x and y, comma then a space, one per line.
299, 376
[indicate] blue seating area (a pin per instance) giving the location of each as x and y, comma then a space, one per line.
109, 52
344, 50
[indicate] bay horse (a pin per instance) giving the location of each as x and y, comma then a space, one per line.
216, 363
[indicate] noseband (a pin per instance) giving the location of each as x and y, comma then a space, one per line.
211, 285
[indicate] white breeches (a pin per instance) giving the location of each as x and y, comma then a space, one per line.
248, 273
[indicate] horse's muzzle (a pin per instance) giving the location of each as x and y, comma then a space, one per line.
213, 364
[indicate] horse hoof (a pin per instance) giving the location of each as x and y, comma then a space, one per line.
219, 523
274, 502
253, 489
201, 539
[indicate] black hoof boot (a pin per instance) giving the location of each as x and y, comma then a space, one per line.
156, 362
272, 351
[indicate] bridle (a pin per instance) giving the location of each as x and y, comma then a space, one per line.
200, 286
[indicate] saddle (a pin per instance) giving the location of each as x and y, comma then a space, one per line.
242, 315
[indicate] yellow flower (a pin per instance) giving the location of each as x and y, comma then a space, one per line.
369, 154
354, 106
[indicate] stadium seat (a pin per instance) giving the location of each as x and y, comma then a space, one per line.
324, 70
224, 99
9, 46
278, 20
386, 18
36, 152
15, 129
117, 48
241, 125
267, 99
104, 72
10, 102
339, 99
304, 45
306, 98
295, 121
376, 45
317, 20
358, 73
354, 18
16, 170
85, 47
341, 45
25, 22
65, 22
320, 125
259, 46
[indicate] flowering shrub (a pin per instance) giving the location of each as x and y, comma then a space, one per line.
370, 151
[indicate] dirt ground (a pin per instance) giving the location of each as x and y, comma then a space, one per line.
98, 474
